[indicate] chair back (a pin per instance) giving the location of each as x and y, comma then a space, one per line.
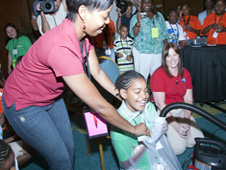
112, 71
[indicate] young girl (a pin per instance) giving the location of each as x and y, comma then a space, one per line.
7, 161
131, 152
172, 83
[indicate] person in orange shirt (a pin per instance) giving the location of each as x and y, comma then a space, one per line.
190, 23
104, 41
2, 83
214, 26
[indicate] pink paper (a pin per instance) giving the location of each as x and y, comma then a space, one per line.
96, 127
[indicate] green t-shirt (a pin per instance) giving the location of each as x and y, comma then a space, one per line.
21, 44
124, 142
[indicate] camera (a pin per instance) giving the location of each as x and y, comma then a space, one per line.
143, 14
47, 6
123, 5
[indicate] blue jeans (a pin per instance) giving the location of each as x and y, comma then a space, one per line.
47, 129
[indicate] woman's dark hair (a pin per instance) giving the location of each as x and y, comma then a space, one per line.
5, 151
165, 53
124, 80
73, 6
18, 34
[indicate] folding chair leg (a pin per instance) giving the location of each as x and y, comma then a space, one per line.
101, 154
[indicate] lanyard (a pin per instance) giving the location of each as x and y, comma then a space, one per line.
153, 20
187, 20
219, 20
87, 70
122, 44
174, 32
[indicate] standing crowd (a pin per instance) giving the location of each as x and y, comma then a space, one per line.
72, 38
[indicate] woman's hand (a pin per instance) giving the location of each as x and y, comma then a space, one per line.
38, 7
119, 12
183, 130
139, 18
141, 129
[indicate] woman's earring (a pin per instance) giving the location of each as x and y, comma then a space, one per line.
84, 25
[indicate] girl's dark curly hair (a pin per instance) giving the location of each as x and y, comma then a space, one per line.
124, 80
5, 151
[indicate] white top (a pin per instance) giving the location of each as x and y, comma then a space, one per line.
53, 19
175, 32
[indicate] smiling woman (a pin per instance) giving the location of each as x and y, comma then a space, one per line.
148, 42
17, 44
171, 83
32, 99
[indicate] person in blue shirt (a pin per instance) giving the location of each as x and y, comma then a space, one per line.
208, 4
124, 19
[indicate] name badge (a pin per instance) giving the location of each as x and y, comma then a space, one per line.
15, 52
215, 34
108, 51
155, 32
